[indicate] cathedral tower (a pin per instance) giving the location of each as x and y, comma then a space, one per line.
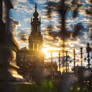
35, 38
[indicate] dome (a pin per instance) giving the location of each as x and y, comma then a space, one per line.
36, 14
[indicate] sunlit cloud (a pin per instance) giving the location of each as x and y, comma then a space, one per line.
41, 1
23, 9
21, 0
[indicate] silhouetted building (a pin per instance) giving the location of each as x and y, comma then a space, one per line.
35, 38
33, 53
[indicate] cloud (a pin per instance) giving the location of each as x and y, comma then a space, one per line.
21, 42
24, 11
24, 37
21, 0
88, 2
41, 1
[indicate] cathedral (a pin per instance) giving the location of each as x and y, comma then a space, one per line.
33, 53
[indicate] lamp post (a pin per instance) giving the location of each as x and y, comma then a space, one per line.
81, 53
52, 74
66, 60
74, 58
88, 49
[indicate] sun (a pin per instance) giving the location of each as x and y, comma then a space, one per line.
46, 52
50, 51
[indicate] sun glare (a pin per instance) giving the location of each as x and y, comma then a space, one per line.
47, 51
44, 50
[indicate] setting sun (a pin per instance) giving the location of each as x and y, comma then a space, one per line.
48, 50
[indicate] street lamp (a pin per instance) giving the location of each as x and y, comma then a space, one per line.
88, 49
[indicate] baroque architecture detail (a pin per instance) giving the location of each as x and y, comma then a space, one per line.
33, 53
35, 38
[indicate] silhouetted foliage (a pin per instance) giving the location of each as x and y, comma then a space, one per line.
89, 13
77, 28
63, 8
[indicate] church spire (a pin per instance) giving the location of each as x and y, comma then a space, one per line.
36, 12
35, 7
35, 38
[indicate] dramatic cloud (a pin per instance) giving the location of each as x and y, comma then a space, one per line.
82, 24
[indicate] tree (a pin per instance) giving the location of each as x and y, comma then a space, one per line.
62, 8
89, 13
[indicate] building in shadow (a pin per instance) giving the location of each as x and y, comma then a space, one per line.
27, 58
35, 42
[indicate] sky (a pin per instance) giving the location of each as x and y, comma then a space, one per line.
23, 12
